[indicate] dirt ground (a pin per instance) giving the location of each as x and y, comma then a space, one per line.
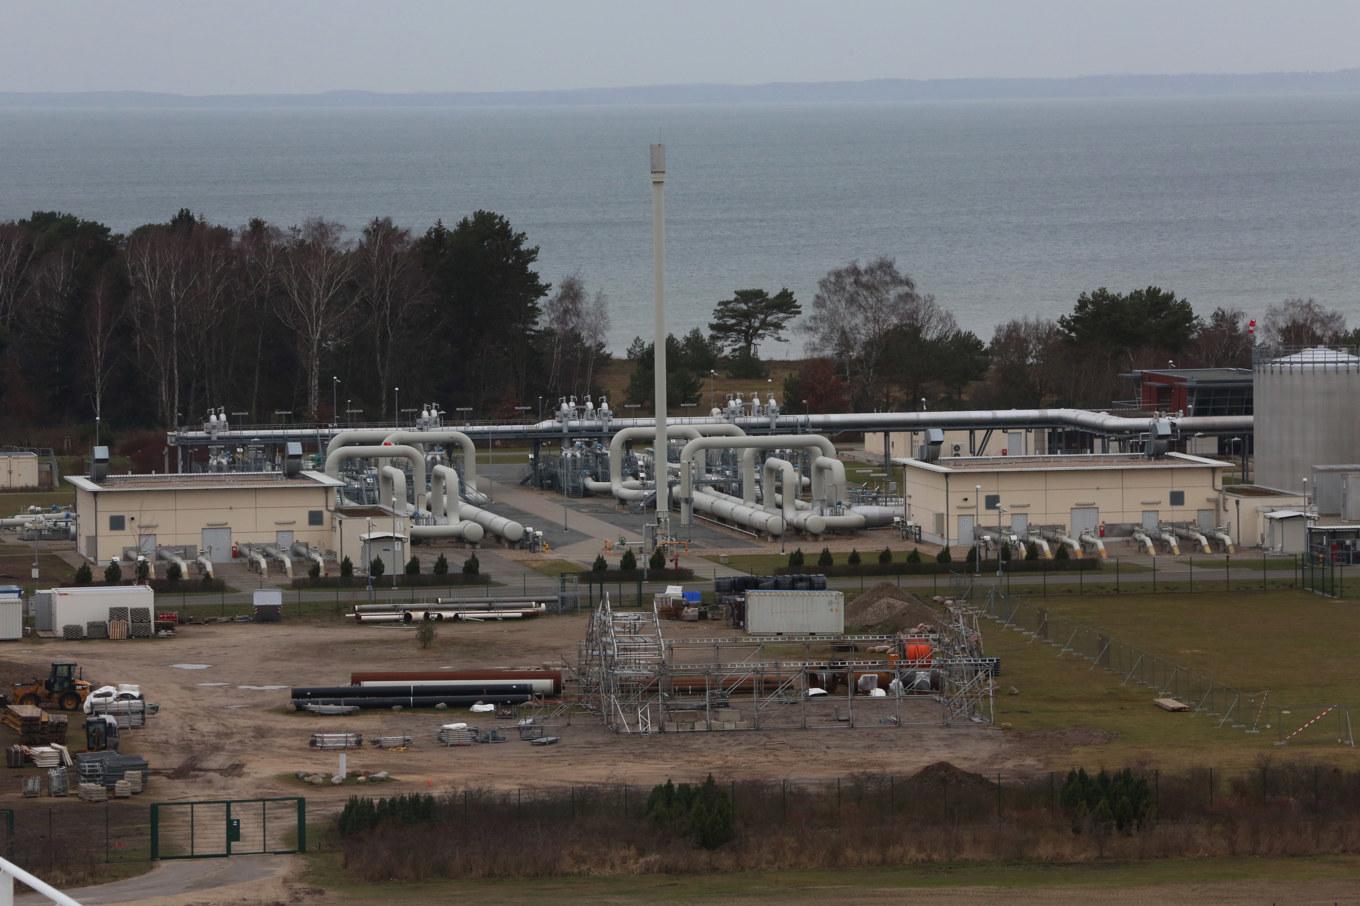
225, 728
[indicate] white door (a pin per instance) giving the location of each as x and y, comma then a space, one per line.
1151, 518
1084, 519
284, 540
965, 530
1205, 518
1020, 524
217, 544
1015, 443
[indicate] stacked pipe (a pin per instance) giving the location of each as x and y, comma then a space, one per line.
413, 695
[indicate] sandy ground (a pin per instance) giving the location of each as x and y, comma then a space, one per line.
225, 728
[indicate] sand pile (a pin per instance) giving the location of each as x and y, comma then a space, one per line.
886, 608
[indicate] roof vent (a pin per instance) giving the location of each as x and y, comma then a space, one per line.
930, 450
292, 460
99, 465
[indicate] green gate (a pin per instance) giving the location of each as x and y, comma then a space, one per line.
213, 828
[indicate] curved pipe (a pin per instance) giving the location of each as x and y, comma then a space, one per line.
1224, 539
508, 529
445, 501
771, 472
448, 506
392, 487
1092, 541
306, 552
463, 530
204, 564
1169, 539
172, 557
627, 435
1045, 552
876, 515
1141, 539
1190, 534
375, 436
748, 446
410, 454
283, 558
834, 484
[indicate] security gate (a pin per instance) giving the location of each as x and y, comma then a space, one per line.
228, 827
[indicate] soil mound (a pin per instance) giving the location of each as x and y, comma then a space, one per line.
943, 774
886, 608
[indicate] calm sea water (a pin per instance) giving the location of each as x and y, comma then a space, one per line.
1000, 209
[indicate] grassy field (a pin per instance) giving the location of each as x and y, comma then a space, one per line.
1294, 644
861, 885
12, 502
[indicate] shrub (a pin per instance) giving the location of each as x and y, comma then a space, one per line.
472, 566
83, 575
703, 814
971, 557
628, 562
600, 565
885, 556
441, 566
173, 573
376, 567
825, 558
1005, 552
853, 559
413, 566
314, 571
658, 559
944, 556
915, 556
796, 558
1061, 553
362, 814
425, 633
1031, 551
347, 568
1121, 800
143, 570
113, 573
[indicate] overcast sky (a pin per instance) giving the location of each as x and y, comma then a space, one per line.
254, 46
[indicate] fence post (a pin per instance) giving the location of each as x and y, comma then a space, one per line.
1154, 573
1192, 572
1116, 575
1227, 575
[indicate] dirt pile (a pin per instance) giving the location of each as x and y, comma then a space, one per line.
886, 608
943, 774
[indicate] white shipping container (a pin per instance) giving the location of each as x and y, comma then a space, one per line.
11, 619
58, 607
785, 612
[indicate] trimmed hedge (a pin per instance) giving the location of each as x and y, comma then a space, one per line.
161, 585
930, 567
421, 580
649, 575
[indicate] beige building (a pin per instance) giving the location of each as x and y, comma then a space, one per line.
1002, 442
202, 513
1265, 517
1071, 494
18, 469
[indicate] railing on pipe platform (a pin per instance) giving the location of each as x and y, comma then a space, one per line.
9, 873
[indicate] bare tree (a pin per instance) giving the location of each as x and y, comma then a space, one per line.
16, 251
258, 250
595, 331
1301, 322
163, 280
576, 325
856, 310
389, 289
315, 275
103, 314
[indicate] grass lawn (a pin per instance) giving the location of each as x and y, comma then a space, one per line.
858, 885
14, 502
1297, 645
554, 568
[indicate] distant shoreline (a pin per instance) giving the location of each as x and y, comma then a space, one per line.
1346, 81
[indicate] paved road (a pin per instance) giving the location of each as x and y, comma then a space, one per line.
187, 879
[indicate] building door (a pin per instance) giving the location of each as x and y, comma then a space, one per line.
146, 546
1151, 519
1084, 519
217, 544
965, 530
1020, 524
1205, 519
1015, 443
284, 540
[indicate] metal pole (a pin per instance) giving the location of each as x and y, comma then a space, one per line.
659, 350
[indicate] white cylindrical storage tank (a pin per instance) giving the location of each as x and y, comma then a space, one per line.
1304, 407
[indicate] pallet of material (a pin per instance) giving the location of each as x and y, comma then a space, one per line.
73, 632
57, 782
118, 629
92, 792
96, 630
391, 742
1170, 704
337, 741
44, 756
457, 735
22, 717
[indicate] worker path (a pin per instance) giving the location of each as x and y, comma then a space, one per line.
198, 881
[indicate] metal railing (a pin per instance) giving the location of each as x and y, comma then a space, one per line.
9, 873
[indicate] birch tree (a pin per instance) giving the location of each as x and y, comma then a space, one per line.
315, 277
389, 290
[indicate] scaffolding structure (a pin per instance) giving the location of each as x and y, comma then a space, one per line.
639, 681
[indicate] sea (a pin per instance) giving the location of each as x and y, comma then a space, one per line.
1000, 209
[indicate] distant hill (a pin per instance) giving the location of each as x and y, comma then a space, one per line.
1344, 81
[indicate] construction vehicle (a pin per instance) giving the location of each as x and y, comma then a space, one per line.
64, 689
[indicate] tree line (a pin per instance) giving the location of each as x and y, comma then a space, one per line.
151, 328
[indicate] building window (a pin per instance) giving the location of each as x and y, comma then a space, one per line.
117, 523
1178, 498
315, 517
992, 501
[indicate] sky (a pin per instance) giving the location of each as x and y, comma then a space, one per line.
301, 46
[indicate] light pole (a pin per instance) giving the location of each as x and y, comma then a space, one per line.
712, 388
396, 405
659, 350
977, 523
1000, 538
368, 551
397, 565
335, 400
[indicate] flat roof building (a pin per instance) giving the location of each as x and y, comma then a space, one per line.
1107, 494
201, 513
